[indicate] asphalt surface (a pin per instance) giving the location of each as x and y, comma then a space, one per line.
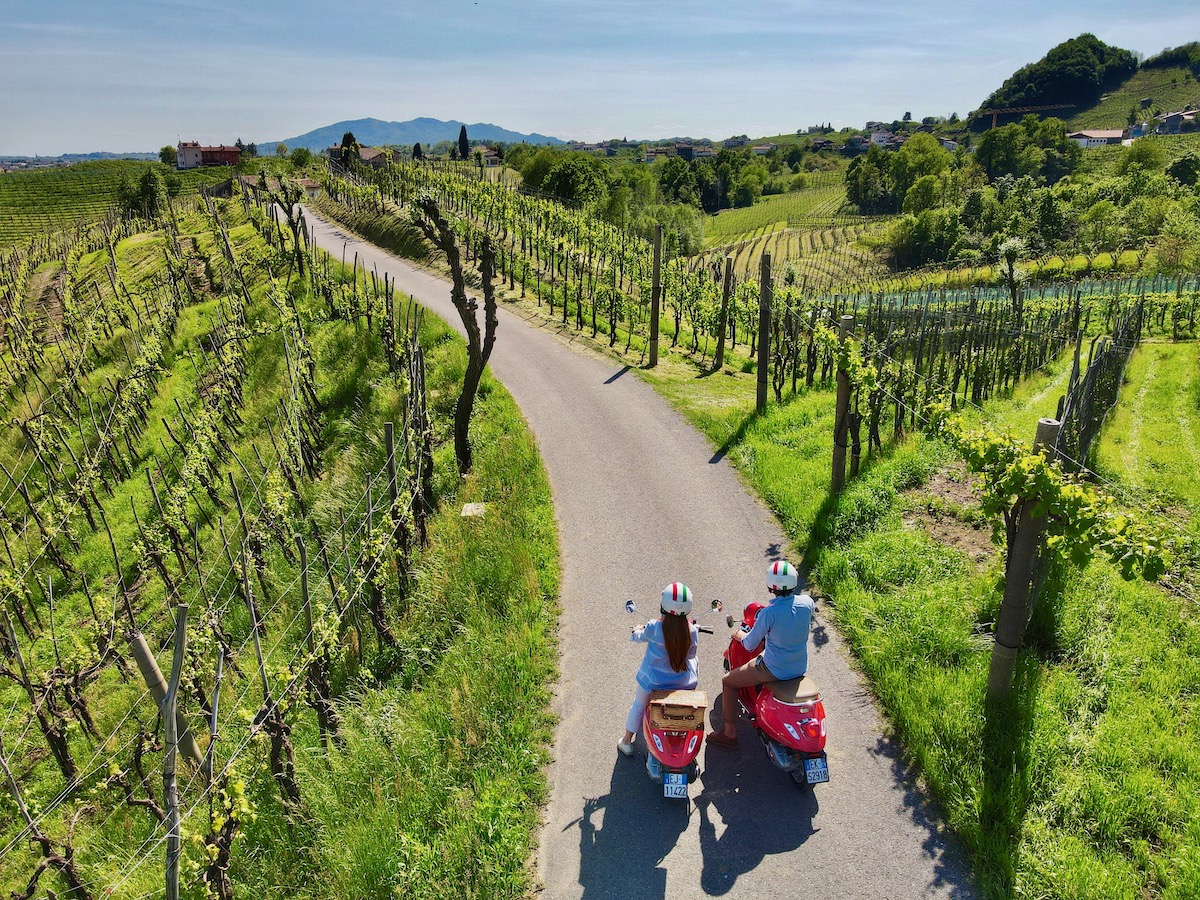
642, 499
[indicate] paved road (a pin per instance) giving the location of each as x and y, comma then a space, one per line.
642, 500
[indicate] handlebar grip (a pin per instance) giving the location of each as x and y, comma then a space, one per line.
704, 630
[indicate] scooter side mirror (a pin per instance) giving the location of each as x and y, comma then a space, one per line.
729, 621
718, 606
630, 606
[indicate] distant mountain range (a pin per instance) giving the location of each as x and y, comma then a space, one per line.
377, 133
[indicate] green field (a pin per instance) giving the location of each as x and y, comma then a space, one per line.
820, 200
44, 200
1151, 443
1171, 89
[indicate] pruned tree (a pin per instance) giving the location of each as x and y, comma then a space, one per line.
418, 153
464, 146
479, 344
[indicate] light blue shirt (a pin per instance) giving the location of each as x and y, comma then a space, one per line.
655, 673
785, 625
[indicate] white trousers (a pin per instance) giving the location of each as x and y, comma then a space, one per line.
633, 722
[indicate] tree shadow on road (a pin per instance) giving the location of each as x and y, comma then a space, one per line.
625, 835
763, 813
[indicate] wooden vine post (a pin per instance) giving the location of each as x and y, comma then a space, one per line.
764, 331
723, 318
171, 747
1017, 606
841, 416
655, 295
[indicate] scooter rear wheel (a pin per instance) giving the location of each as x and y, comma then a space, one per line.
800, 779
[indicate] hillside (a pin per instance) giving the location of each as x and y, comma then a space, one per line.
1168, 89
378, 133
1074, 72
43, 200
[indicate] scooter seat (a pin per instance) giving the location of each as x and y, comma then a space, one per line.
795, 691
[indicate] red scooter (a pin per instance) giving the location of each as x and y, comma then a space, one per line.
673, 725
788, 716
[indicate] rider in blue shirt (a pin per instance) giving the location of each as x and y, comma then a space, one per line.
784, 624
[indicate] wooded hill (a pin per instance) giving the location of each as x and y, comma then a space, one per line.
1103, 85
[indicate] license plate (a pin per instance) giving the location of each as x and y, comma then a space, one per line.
675, 785
816, 771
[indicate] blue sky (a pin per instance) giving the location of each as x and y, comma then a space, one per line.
84, 75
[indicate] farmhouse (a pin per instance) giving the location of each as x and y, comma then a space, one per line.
732, 143
1097, 138
763, 149
881, 138
1177, 122
190, 155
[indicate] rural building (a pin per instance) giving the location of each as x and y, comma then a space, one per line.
375, 157
703, 152
732, 143
190, 155
763, 149
311, 188
880, 138
187, 155
948, 144
822, 144
1097, 138
686, 152
1177, 122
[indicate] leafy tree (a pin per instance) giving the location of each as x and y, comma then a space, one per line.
908, 117
921, 155
417, 152
1076, 71
1186, 169
1146, 152
677, 180
924, 239
464, 148
869, 184
536, 167
281, 149
301, 157
576, 182
169, 155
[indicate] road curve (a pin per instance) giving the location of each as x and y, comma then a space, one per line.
641, 501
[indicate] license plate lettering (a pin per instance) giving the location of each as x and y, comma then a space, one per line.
675, 785
816, 771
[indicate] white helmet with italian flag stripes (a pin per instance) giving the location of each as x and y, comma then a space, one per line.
677, 599
782, 577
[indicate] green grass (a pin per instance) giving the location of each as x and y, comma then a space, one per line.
1150, 443
43, 200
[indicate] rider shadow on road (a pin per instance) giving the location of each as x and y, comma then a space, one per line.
625, 835
762, 811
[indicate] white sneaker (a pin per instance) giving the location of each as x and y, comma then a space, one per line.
626, 749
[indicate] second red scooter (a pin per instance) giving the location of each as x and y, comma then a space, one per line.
788, 716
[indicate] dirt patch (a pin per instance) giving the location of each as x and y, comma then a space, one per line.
947, 509
45, 302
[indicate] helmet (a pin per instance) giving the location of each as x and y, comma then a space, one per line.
782, 577
677, 599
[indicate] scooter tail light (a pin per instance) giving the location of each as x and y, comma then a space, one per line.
813, 728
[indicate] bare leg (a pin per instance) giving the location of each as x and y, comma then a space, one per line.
742, 676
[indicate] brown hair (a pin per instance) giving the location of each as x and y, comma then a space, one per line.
677, 635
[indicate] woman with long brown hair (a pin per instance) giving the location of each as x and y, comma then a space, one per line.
669, 662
